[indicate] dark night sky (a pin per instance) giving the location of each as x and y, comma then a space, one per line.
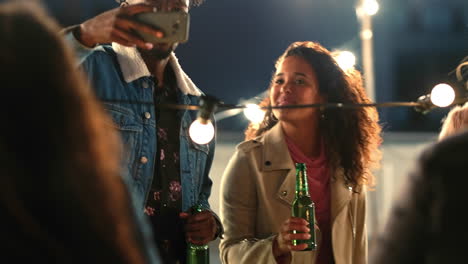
233, 44
237, 42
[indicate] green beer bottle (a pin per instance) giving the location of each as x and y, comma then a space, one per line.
197, 254
304, 207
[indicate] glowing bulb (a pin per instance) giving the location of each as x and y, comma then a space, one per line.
371, 7
442, 95
346, 60
367, 34
254, 113
201, 132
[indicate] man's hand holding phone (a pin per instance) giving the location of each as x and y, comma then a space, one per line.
118, 25
173, 24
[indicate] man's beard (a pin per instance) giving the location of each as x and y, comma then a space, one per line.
156, 53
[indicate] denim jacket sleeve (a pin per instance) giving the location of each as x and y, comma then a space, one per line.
80, 50
207, 184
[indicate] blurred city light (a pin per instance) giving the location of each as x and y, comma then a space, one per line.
346, 60
442, 95
254, 113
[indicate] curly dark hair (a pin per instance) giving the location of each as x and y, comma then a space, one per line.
352, 136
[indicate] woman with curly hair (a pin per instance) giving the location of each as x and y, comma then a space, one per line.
339, 148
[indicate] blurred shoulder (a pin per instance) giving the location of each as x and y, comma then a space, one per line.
249, 145
458, 142
449, 152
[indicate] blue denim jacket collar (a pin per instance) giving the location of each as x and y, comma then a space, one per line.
133, 67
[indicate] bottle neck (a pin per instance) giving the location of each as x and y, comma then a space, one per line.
197, 209
302, 188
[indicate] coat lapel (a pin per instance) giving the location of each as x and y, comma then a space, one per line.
276, 158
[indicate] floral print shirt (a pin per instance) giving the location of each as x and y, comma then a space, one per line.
164, 201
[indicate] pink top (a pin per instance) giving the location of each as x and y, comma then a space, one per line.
318, 180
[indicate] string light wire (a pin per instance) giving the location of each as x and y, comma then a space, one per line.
224, 106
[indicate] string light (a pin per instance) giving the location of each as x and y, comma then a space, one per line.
345, 59
201, 131
418, 103
254, 113
442, 95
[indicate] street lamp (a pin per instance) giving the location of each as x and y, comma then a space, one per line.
365, 10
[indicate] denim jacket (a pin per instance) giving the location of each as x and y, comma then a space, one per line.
122, 81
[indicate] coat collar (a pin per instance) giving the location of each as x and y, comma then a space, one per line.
276, 153
133, 67
276, 157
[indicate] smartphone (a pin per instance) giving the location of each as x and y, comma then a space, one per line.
174, 25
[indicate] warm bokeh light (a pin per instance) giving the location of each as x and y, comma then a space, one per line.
254, 113
367, 34
442, 95
201, 133
346, 60
371, 7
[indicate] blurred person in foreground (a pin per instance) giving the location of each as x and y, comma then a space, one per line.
427, 222
166, 172
455, 122
339, 148
62, 199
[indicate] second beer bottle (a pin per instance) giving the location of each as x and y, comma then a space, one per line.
197, 254
304, 207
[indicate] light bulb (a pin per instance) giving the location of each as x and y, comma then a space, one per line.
371, 7
367, 34
201, 132
442, 95
254, 113
346, 60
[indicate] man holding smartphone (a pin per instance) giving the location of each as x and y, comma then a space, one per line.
166, 172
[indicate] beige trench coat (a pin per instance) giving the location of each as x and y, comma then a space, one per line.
257, 191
